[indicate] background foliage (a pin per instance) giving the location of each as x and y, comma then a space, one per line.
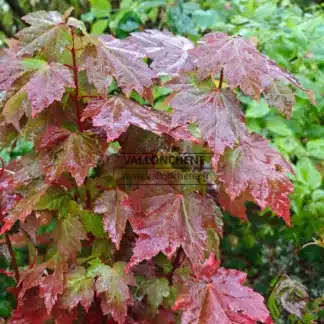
293, 35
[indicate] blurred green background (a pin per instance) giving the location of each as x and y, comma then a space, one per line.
292, 34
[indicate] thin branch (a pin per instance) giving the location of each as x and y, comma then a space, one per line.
282, 272
13, 257
221, 79
2, 169
76, 82
176, 263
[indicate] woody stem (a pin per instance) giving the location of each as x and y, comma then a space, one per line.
76, 82
221, 79
13, 257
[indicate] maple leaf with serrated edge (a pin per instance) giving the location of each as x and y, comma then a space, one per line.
48, 84
115, 114
51, 285
169, 53
30, 309
11, 69
255, 171
75, 153
37, 91
217, 112
242, 64
7, 133
280, 96
116, 58
78, 288
218, 296
112, 286
46, 30
166, 219
156, 289
68, 235
114, 205
21, 172
25, 206
16, 107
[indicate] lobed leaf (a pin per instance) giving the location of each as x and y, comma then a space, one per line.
217, 112
166, 219
46, 30
114, 205
255, 171
169, 53
243, 65
115, 114
112, 285
78, 288
75, 153
220, 297
119, 59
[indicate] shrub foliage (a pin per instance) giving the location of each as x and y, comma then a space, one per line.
135, 251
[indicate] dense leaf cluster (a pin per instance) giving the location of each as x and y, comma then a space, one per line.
76, 95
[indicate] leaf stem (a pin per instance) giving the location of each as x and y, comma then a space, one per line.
176, 263
282, 272
221, 79
76, 82
13, 257
2, 167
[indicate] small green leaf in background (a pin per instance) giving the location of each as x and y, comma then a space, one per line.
156, 290
92, 223
100, 8
99, 26
307, 173
315, 148
257, 109
278, 126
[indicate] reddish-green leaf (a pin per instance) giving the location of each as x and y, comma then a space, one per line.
168, 52
47, 85
255, 171
30, 309
52, 285
25, 206
115, 114
167, 219
217, 112
220, 297
78, 288
75, 153
46, 32
112, 286
243, 65
114, 205
280, 96
11, 68
119, 59
68, 234
21, 172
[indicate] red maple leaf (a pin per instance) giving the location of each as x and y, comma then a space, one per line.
114, 205
115, 114
116, 58
243, 65
67, 152
166, 219
169, 53
218, 296
255, 171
